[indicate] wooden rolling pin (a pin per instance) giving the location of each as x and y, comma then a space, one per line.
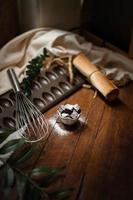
96, 77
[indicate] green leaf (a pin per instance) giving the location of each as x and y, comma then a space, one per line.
34, 193
21, 183
45, 170
11, 146
40, 170
23, 155
61, 194
4, 135
33, 69
8, 180
52, 177
27, 191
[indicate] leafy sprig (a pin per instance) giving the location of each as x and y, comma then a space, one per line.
30, 184
32, 70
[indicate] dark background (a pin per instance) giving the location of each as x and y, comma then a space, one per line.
8, 21
109, 19
112, 20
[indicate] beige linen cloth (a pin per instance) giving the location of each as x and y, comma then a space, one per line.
20, 50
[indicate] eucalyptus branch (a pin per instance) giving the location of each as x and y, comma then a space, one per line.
40, 190
27, 176
14, 177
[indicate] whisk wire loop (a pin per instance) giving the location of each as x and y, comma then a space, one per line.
30, 122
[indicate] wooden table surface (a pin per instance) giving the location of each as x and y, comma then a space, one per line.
98, 151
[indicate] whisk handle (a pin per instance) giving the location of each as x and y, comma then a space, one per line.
14, 80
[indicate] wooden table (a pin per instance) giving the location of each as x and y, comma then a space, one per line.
98, 151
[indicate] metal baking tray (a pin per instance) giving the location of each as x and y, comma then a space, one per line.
49, 88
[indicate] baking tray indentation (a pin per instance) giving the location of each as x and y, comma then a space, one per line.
5, 103
49, 88
9, 122
48, 97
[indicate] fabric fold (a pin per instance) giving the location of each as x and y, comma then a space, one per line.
23, 48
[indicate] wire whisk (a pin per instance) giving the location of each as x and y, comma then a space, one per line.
30, 122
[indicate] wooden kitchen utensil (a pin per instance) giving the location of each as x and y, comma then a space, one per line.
105, 86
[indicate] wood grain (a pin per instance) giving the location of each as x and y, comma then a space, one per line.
98, 151
98, 154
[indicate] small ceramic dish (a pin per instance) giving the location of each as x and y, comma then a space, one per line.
68, 120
